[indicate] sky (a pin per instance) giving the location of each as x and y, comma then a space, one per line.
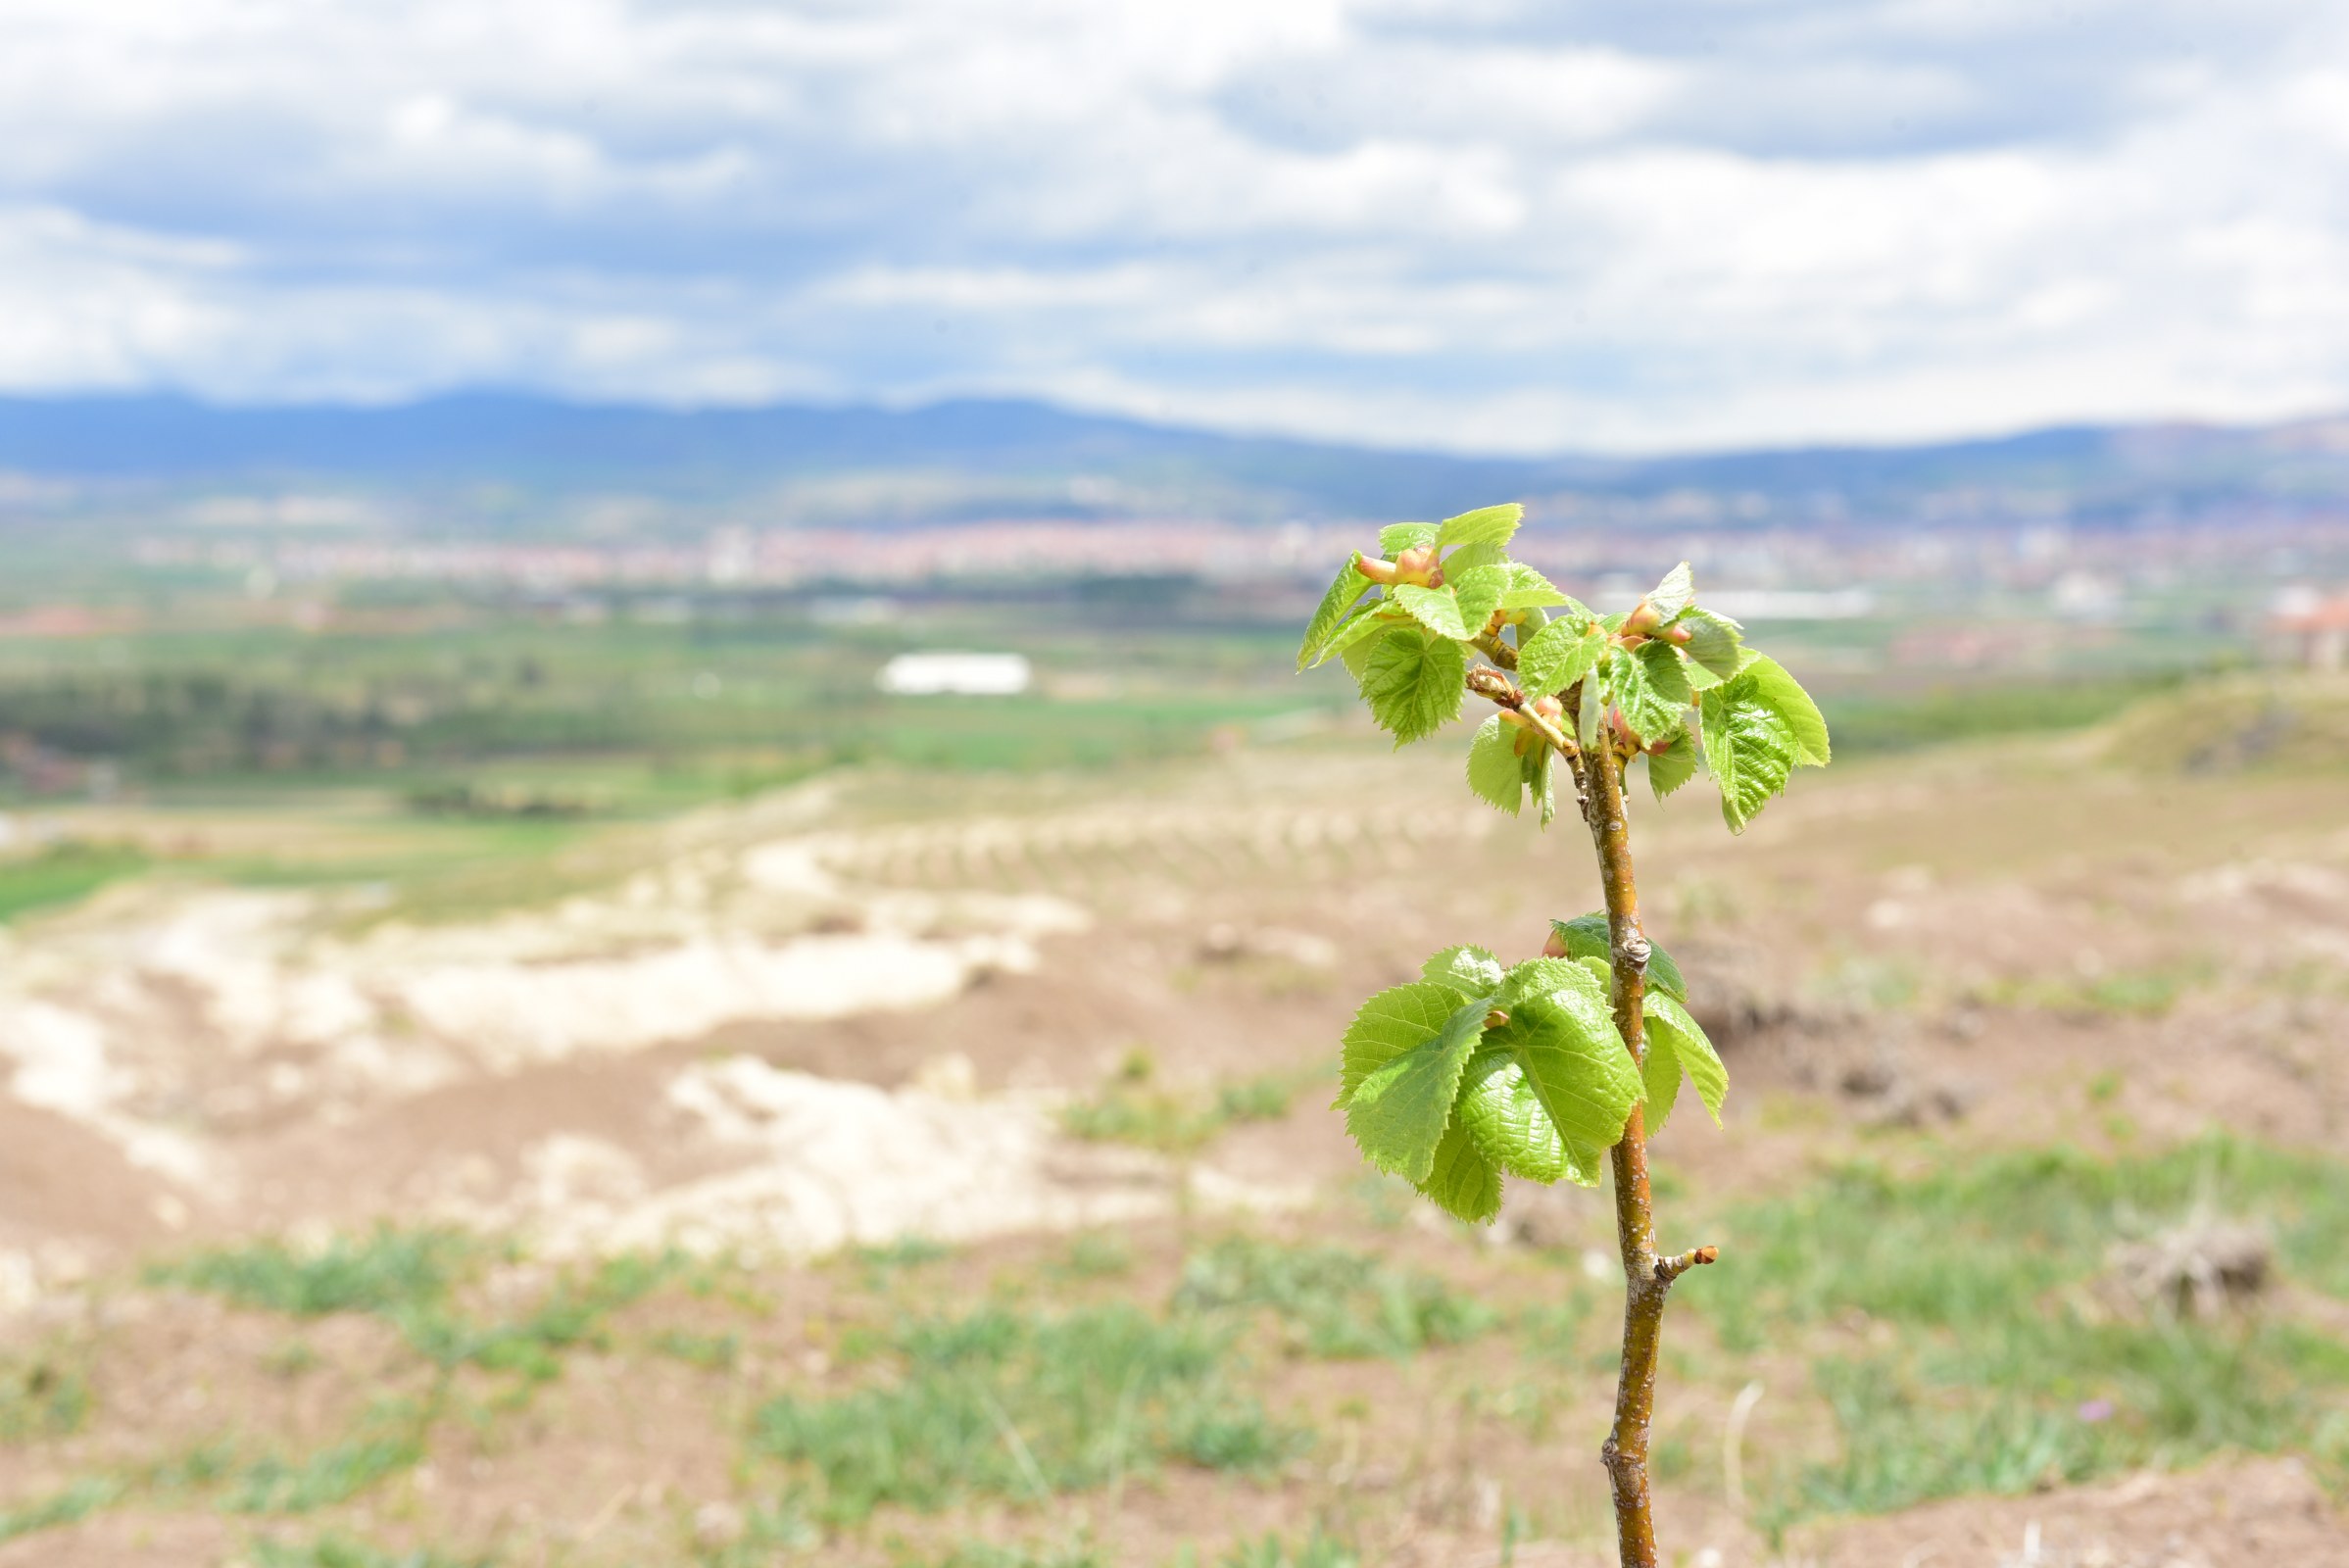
1475, 225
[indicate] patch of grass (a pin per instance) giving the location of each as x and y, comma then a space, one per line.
1888, 724
979, 1554
712, 1353
74, 1501
334, 1551
2133, 993
1002, 1404
1331, 1301
1553, 1330
2002, 1363
390, 1439
63, 873
1316, 1550
907, 1251
387, 1270
1096, 1256
44, 1393
572, 1314
1129, 1112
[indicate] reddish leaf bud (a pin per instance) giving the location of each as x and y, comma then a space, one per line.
1418, 565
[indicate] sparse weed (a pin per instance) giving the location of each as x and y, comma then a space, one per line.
907, 1251
386, 1270
572, 1314
1331, 1301
1097, 1256
334, 1551
77, 1500
1128, 1111
1316, 1550
42, 1394
1003, 1405
2120, 993
979, 1554
712, 1353
390, 1439
2004, 1369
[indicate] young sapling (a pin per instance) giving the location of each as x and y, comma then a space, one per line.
1549, 1068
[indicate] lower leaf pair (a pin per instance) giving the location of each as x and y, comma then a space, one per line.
1476, 1071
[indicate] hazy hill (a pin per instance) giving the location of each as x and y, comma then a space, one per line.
986, 455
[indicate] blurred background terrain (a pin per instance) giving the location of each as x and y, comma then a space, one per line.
594, 985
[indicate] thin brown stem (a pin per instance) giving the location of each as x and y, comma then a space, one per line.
1648, 1278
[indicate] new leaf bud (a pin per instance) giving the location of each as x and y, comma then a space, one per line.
1418, 565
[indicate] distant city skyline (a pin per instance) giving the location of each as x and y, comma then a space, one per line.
1479, 225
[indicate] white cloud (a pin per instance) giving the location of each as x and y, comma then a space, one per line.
1481, 228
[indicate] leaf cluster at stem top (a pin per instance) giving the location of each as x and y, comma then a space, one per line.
1666, 679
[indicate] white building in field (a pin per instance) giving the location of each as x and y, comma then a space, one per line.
955, 676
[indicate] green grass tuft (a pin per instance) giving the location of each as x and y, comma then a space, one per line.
61, 875
2004, 1361
1331, 1301
334, 1551
387, 1270
1004, 1405
75, 1502
1131, 1111
42, 1394
389, 1441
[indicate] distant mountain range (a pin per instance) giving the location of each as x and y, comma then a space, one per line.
994, 457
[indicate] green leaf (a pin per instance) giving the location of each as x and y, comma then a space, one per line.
1774, 687
1586, 936
1674, 765
1460, 1180
1660, 1073
1435, 609
1562, 1034
1591, 715
1476, 558
1714, 642
1487, 525
1342, 596
1670, 1023
1676, 593
1652, 686
1560, 654
1506, 1120
1398, 1112
1750, 742
1398, 537
1538, 977
1414, 683
1529, 590
1466, 972
1391, 1022
1352, 641
1479, 591
1495, 772
1541, 777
